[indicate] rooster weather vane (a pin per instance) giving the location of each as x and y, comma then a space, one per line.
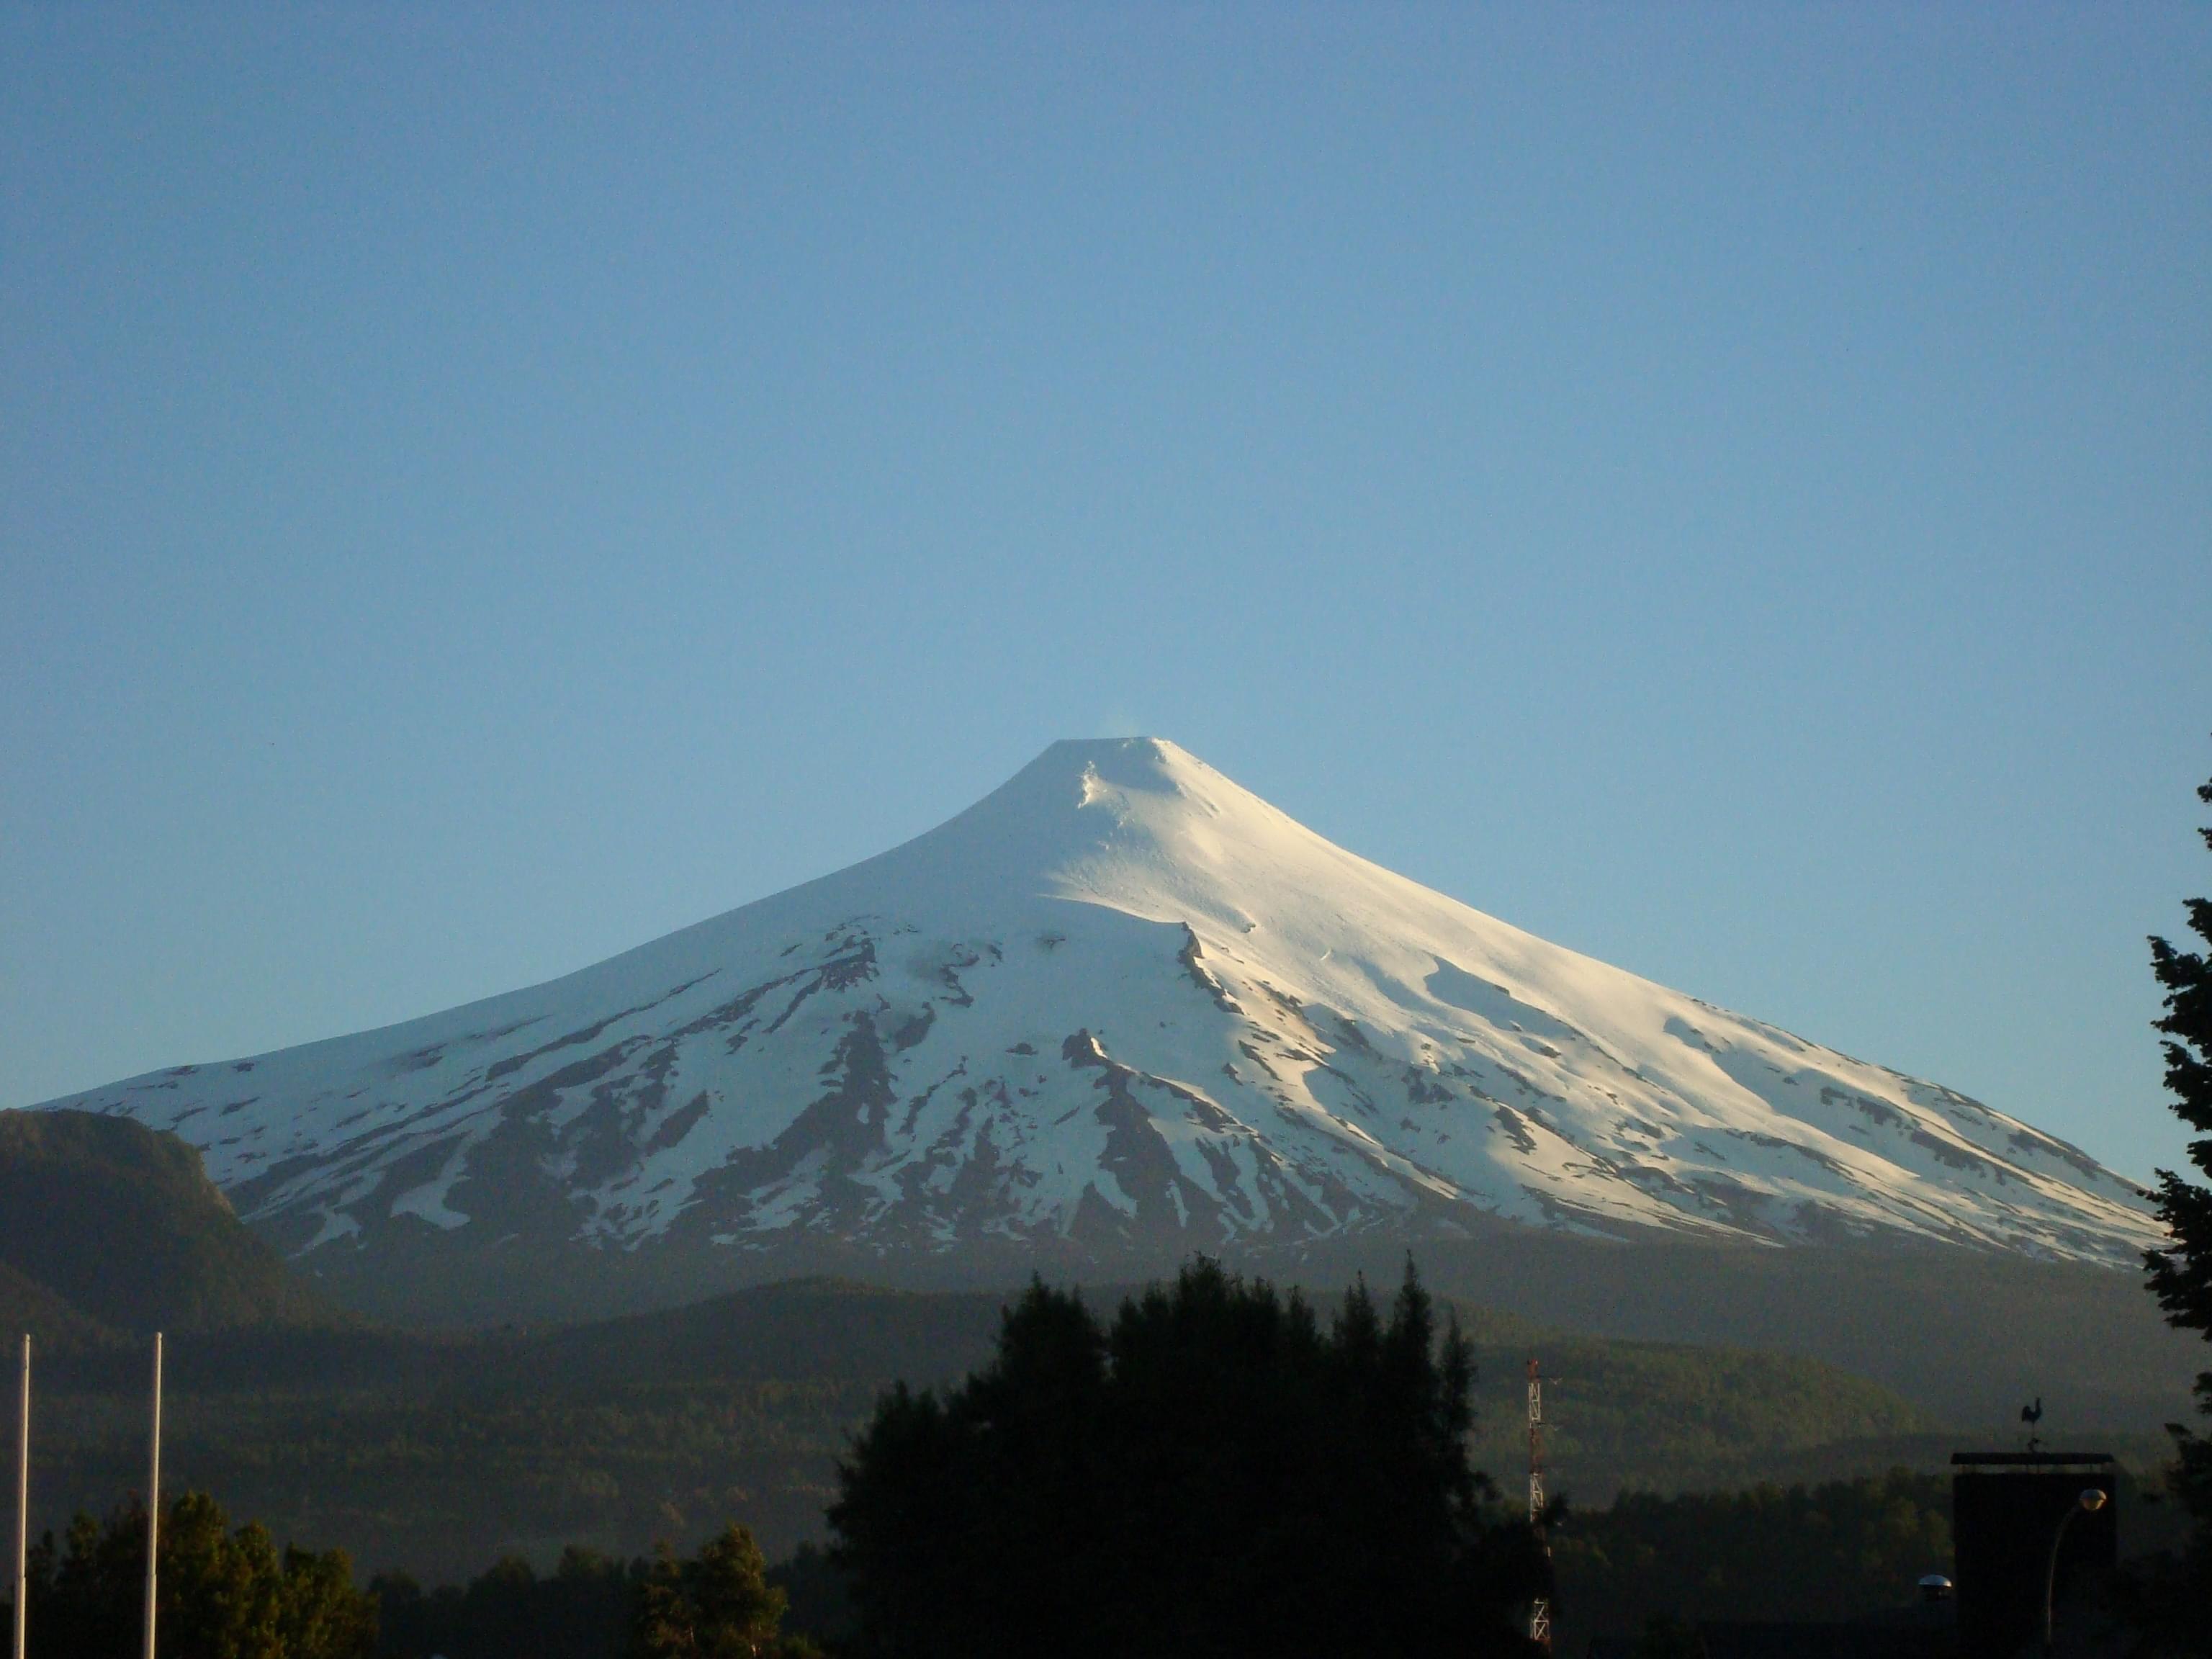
2033, 1415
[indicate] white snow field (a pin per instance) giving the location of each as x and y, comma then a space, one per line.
1118, 1002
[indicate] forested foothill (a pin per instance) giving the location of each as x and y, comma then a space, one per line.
437, 1455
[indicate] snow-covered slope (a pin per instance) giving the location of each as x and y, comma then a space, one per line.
1121, 1002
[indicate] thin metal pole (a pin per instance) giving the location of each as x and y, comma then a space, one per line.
23, 1501
153, 1503
1540, 1610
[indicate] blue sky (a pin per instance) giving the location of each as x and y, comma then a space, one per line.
1727, 488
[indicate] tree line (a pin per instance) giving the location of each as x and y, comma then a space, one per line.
228, 1593
225, 1592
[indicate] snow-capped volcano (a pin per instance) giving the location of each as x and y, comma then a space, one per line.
1119, 1002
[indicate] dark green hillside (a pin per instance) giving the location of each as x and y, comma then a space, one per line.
1967, 1335
120, 1223
1666, 1416
26, 1305
438, 1454
806, 1327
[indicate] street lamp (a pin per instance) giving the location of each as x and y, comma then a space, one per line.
2091, 1500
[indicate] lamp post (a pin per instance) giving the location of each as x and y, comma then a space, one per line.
2091, 1500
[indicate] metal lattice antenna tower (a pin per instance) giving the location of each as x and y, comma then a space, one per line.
1540, 1610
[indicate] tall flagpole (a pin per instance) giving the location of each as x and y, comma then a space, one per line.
154, 1503
23, 1500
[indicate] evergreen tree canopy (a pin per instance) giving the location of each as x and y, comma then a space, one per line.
2175, 1597
2181, 1274
717, 1605
224, 1594
1212, 1474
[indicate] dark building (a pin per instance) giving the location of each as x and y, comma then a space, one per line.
2008, 1511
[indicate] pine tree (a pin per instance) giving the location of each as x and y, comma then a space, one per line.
1211, 1472
2181, 1274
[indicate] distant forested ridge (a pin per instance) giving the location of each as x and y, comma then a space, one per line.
435, 1455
